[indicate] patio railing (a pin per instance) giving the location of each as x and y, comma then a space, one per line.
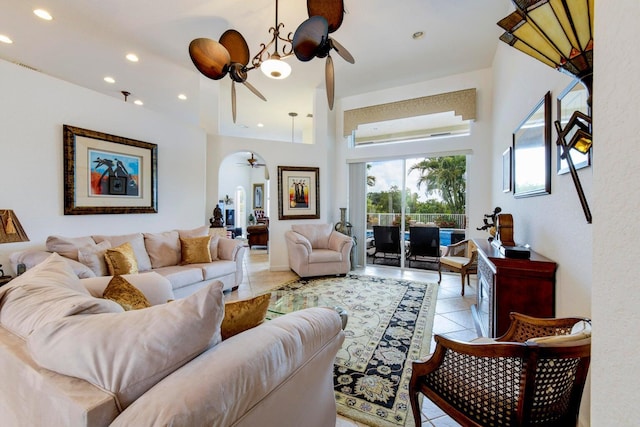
443, 220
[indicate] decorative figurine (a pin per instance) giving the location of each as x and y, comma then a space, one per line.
217, 220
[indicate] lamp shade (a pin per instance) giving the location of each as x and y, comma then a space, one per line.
11, 230
558, 33
275, 68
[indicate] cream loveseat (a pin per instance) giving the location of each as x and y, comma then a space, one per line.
318, 250
158, 252
72, 359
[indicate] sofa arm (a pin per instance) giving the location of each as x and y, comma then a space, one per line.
340, 242
156, 288
288, 359
298, 241
229, 249
32, 257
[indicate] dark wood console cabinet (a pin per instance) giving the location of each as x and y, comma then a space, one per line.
526, 286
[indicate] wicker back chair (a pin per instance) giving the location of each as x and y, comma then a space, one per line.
530, 382
461, 257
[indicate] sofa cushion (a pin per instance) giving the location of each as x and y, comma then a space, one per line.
93, 257
127, 353
47, 292
318, 234
121, 260
324, 255
244, 314
156, 289
181, 275
217, 269
125, 294
32, 257
68, 246
163, 248
137, 243
195, 249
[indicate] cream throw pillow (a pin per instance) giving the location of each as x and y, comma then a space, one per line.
195, 250
47, 292
68, 246
163, 248
93, 257
128, 353
121, 260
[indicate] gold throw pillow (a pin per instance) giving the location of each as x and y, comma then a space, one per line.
125, 294
244, 314
195, 250
121, 260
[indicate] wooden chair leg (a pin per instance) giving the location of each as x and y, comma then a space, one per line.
439, 273
415, 406
462, 280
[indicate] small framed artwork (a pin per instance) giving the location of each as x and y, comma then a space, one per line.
506, 170
258, 196
298, 192
108, 174
573, 98
532, 152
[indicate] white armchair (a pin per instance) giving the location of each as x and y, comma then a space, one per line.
318, 250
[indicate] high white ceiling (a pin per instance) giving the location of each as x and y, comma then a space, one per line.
88, 40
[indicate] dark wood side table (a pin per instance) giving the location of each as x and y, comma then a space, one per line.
5, 279
526, 286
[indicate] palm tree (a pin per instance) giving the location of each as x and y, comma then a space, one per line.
446, 176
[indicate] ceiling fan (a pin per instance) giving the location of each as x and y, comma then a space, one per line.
311, 38
253, 162
228, 56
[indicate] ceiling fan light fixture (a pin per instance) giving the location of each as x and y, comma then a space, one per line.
275, 67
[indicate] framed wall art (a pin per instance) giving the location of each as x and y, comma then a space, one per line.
298, 192
573, 98
108, 174
506, 170
532, 152
258, 196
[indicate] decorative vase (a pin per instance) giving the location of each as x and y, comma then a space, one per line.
343, 226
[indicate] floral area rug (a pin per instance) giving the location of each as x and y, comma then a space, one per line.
390, 324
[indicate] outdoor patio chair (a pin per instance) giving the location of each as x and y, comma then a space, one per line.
387, 242
461, 257
533, 375
424, 244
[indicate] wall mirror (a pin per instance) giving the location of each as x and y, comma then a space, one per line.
532, 152
573, 98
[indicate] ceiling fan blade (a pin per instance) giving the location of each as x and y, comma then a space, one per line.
331, 10
254, 90
329, 80
210, 57
237, 46
344, 53
233, 100
309, 37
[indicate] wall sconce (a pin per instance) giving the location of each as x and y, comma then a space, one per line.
11, 230
559, 33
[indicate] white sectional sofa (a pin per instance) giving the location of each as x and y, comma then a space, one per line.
158, 252
72, 359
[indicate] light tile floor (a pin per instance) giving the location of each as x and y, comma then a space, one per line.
453, 314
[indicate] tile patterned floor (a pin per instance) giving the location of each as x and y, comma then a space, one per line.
453, 314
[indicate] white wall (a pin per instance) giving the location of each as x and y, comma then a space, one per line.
477, 145
615, 362
33, 108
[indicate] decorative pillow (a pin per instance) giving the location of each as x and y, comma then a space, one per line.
163, 248
244, 314
121, 260
68, 246
195, 250
196, 232
125, 294
213, 247
47, 292
136, 240
93, 257
32, 257
128, 353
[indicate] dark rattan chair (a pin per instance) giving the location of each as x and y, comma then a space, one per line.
461, 257
387, 242
424, 244
533, 375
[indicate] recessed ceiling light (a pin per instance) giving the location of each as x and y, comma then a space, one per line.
132, 57
418, 35
109, 79
5, 39
182, 96
43, 14
138, 102
260, 125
